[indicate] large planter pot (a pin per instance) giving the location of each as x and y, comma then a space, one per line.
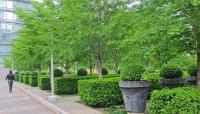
172, 83
134, 95
192, 80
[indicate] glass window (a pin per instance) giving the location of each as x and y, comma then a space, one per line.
17, 27
3, 27
9, 4
9, 37
9, 15
2, 4
4, 49
2, 38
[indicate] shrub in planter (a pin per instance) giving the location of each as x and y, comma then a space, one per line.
192, 70
175, 101
67, 86
171, 72
26, 79
58, 73
104, 71
171, 76
133, 89
100, 93
33, 81
82, 72
44, 83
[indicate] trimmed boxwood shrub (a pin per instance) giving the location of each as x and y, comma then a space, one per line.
44, 83
132, 72
67, 86
175, 101
33, 81
171, 72
192, 70
100, 93
104, 71
26, 79
82, 72
58, 73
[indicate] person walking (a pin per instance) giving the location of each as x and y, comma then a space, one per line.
10, 77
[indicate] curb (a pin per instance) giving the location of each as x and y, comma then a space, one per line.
44, 102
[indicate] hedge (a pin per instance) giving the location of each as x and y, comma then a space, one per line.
26, 79
44, 83
16, 77
33, 81
67, 86
21, 78
100, 93
175, 101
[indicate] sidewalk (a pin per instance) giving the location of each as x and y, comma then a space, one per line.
68, 103
18, 102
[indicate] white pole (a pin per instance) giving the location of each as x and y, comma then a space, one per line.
52, 74
52, 98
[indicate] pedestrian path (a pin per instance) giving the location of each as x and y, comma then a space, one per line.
71, 103
18, 102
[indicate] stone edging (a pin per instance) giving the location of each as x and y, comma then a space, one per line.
44, 102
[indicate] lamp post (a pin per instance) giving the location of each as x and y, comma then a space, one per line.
52, 98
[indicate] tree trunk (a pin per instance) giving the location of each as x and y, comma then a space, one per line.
91, 70
196, 38
100, 59
116, 64
49, 70
67, 68
198, 69
99, 68
74, 66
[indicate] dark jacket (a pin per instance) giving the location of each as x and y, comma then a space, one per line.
10, 77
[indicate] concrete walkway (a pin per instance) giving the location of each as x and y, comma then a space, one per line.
18, 102
70, 104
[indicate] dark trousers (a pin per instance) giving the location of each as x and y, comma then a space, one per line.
10, 84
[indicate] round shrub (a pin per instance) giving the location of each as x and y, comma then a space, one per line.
175, 101
58, 73
132, 72
82, 72
171, 72
34, 74
104, 71
192, 70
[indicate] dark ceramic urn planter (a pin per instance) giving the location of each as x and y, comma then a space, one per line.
134, 95
172, 83
192, 80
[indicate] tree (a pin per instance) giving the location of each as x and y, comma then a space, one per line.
165, 29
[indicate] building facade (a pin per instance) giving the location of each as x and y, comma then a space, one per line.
9, 25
